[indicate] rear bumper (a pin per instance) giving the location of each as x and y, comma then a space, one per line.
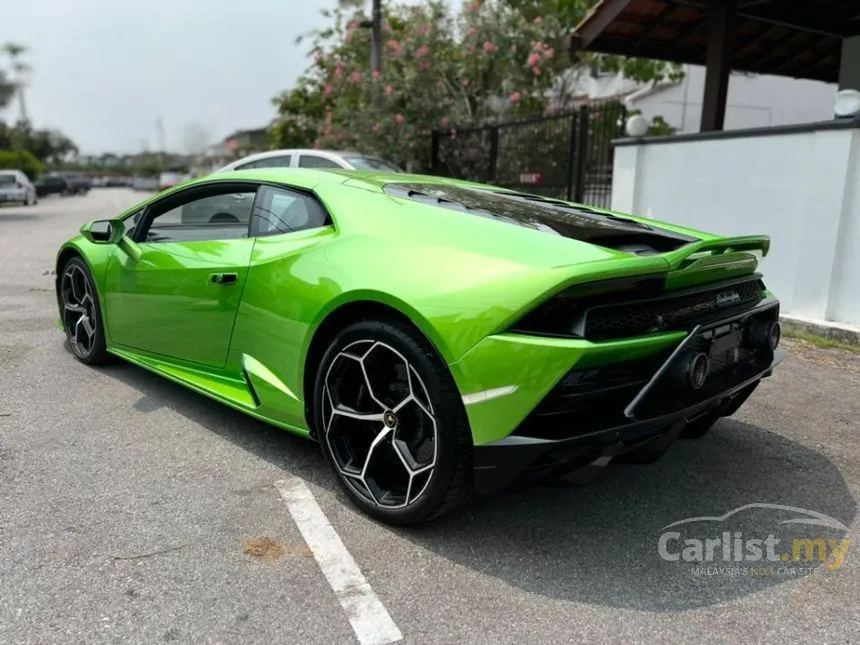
568, 429
13, 195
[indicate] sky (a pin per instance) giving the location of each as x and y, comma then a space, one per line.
105, 71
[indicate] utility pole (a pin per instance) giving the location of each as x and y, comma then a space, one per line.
376, 35
375, 26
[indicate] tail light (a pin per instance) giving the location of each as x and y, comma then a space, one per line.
563, 314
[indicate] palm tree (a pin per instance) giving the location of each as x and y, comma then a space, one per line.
14, 52
7, 89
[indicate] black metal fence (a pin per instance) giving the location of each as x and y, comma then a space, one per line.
565, 155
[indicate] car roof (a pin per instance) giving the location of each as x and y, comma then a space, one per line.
309, 177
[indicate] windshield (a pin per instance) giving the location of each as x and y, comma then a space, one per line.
372, 163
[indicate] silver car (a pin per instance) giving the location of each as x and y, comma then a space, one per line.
311, 158
16, 187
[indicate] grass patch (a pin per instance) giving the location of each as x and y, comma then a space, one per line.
821, 341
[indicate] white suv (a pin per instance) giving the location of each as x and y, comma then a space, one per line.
15, 186
312, 159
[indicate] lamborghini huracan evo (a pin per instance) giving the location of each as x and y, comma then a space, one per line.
438, 338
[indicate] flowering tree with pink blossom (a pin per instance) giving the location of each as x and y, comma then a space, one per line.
439, 69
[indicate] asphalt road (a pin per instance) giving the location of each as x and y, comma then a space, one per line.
133, 511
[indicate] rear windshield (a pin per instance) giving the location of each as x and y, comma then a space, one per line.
552, 216
373, 163
7, 178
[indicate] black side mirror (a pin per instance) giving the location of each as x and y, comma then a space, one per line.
103, 231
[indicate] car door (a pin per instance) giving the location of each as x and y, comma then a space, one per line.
179, 298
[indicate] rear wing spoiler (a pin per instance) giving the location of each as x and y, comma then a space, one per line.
716, 259
708, 249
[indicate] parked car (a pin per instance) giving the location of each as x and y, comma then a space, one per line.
312, 159
15, 186
52, 185
170, 179
66, 183
144, 183
438, 338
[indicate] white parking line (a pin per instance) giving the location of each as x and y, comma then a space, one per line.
368, 616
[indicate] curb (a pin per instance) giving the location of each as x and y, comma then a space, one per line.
828, 330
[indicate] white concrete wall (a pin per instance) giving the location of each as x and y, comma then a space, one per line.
802, 189
753, 101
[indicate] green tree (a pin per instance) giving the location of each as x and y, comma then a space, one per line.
21, 160
494, 59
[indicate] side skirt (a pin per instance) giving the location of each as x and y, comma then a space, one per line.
235, 393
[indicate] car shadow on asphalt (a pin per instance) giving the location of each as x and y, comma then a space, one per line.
596, 544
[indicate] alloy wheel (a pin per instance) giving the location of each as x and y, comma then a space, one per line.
379, 424
78, 310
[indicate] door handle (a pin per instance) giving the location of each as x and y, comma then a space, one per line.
223, 278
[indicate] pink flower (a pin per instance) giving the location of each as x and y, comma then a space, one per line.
423, 30
536, 71
515, 97
464, 82
422, 51
376, 127
538, 20
355, 77
424, 66
490, 47
353, 24
395, 46
549, 53
376, 75
533, 60
389, 90
328, 89
399, 118
471, 32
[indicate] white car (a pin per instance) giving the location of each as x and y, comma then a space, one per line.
15, 186
312, 159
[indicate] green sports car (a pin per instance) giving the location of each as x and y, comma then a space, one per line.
438, 338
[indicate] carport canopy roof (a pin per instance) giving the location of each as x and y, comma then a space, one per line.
796, 38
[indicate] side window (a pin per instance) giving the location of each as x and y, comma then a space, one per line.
215, 217
280, 210
312, 161
275, 162
131, 224
248, 166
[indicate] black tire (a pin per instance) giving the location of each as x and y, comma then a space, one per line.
375, 348
78, 300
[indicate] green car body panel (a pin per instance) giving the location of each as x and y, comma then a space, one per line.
462, 280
